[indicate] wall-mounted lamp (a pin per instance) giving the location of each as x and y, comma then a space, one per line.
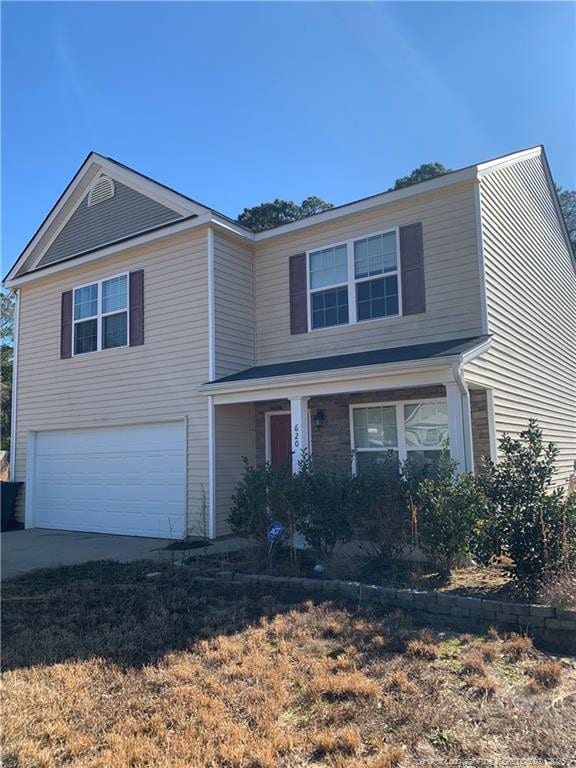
319, 419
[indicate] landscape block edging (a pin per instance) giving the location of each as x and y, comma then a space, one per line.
553, 625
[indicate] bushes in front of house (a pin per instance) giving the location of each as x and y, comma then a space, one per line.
448, 509
524, 519
392, 507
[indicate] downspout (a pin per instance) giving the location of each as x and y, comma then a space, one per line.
458, 374
12, 468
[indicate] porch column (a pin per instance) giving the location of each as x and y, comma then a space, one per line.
456, 425
300, 437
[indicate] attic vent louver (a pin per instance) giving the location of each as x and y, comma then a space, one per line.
102, 190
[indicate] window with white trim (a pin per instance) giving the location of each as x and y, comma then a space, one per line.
415, 430
329, 286
376, 276
101, 315
354, 281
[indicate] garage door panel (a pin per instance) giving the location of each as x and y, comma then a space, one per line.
128, 480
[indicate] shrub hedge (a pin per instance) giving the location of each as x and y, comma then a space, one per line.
391, 506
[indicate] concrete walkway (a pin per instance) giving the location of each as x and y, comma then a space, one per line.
24, 551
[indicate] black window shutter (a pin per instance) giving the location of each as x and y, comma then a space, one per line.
412, 269
66, 325
298, 295
136, 307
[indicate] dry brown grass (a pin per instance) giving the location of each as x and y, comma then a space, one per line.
474, 662
346, 685
343, 741
107, 669
423, 650
545, 674
399, 681
517, 647
482, 684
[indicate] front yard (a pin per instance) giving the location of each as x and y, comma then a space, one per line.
109, 665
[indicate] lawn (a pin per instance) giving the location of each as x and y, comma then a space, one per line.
107, 665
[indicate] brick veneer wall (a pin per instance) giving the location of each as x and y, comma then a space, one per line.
331, 442
480, 426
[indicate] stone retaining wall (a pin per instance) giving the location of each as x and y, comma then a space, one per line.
555, 627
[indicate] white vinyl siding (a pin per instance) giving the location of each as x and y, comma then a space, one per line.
233, 305
235, 437
531, 299
453, 307
157, 381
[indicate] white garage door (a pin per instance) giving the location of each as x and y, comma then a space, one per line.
127, 480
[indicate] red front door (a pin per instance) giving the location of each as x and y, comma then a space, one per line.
280, 438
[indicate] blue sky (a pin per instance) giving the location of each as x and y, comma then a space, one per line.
238, 103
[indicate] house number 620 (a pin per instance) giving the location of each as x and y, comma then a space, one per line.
296, 436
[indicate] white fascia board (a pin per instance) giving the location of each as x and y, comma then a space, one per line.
358, 379
472, 354
337, 385
112, 250
157, 192
514, 157
231, 226
455, 177
557, 206
54, 213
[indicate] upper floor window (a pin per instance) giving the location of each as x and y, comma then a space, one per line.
354, 281
101, 315
376, 275
329, 286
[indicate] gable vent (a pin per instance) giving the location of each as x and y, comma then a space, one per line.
102, 190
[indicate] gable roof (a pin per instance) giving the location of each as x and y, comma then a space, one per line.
160, 203
34, 256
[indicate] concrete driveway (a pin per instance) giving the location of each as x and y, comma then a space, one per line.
24, 551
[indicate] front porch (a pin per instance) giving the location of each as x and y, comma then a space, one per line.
345, 416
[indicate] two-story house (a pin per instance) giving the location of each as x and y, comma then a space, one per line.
159, 342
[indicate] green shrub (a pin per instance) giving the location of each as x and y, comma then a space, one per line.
526, 520
263, 496
379, 508
323, 494
448, 509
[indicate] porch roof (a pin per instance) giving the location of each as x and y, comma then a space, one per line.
437, 350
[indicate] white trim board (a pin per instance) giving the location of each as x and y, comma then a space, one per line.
400, 425
14, 412
352, 281
332, 386
91, 168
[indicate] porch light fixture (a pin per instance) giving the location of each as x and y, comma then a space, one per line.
319, 419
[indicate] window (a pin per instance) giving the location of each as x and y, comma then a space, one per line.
416, 430
376, 256
328, 270
426, 428
354, 281
101, 315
